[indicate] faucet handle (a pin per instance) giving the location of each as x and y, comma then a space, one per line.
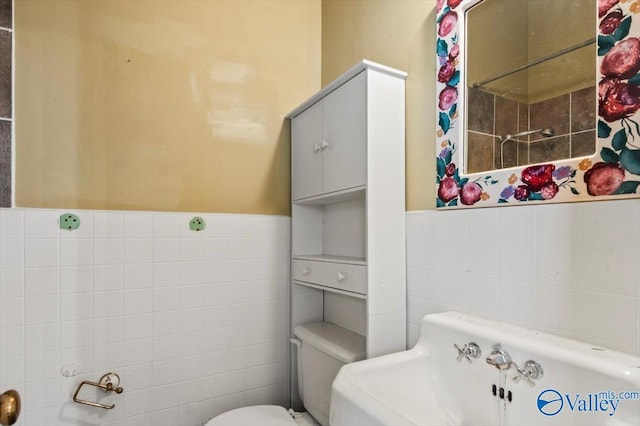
469, 351
529, 372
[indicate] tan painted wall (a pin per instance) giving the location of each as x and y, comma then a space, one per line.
161, 105
400, 34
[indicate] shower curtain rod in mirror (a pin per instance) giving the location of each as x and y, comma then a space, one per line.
536, 62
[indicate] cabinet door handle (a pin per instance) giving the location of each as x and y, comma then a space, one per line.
306, 271
325, 144
316, 147
341, 276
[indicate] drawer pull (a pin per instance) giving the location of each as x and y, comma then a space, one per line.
306, 271
340, 276
316, 148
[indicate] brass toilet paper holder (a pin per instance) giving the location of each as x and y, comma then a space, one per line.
108, 383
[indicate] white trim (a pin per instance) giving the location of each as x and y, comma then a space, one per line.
355, 70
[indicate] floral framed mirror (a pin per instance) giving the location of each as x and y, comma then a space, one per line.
537, 101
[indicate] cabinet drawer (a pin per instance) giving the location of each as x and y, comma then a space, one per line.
337, 275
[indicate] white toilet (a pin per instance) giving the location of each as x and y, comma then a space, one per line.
324, 348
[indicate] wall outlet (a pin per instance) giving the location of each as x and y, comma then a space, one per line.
69, 221
197, 224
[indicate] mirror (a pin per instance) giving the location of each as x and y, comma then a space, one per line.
530, 81
537, 101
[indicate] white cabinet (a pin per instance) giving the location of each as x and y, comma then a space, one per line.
348, 208
345, 133
330, 142
306, 153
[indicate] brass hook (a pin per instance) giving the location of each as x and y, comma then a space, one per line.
9, 407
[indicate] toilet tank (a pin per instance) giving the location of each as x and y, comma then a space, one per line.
324, 348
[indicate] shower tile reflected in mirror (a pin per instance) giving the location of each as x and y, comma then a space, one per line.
523, 117
508, 154
5, 13
544, 150
481, 149
5, 73
5, 102
582, 143
572, 117
523, 154
583, 111
480, 111
5, 163
507, 115
553, 113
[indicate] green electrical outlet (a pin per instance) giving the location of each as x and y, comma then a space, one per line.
197, 224
69, 221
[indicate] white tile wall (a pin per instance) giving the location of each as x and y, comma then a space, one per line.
566, 269
195, 323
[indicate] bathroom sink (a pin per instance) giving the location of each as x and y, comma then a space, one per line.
577, 383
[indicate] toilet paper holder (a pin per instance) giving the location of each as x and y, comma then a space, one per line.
108, 383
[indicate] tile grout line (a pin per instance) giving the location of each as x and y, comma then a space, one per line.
59, 272
570, 123
124, 240
24, 303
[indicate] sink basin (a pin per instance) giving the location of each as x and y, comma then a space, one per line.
426, 385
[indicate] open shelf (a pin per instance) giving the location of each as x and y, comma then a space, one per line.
332, 290
332, 259
354, 193
333, 232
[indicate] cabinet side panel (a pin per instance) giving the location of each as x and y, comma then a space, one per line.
387, 329
386, 210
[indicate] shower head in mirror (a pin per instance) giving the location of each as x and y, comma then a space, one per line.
547, 132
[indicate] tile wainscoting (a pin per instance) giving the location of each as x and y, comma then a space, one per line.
566, 269
195, 323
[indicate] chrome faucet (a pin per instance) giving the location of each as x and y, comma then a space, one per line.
500, 358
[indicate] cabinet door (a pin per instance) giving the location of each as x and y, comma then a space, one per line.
345, 161
306, 153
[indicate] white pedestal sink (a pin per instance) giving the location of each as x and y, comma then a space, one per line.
579, 384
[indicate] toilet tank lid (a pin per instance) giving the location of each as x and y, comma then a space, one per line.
336, 341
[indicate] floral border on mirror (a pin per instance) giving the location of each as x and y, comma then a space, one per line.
612, 172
